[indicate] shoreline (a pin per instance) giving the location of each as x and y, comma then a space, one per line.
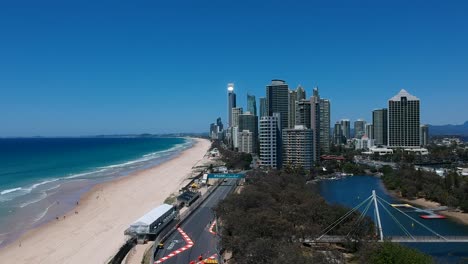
103, 213
456, 216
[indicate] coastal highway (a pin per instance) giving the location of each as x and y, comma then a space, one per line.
197, 228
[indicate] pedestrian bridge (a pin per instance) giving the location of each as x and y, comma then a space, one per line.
374, 201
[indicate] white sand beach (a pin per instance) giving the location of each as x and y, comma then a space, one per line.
95, 233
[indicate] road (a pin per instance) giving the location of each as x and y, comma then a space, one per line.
196, 227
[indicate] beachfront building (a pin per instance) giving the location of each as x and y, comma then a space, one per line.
149, 225
236, 111
251, 104
231, 102
246, 142
270, 141
404, 121
298, 147
249, 122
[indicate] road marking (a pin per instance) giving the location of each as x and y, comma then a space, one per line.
215, 256
189, 244
211, 228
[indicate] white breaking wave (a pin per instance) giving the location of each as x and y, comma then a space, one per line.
10, 190
42, 196
12, 193
41, 215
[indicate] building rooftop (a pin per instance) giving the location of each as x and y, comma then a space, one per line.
404, 93
152, 215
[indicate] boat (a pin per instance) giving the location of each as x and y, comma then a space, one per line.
433, 216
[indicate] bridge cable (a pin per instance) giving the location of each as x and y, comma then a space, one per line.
361, 217
341, 219
396, 221
331, 226
430, 230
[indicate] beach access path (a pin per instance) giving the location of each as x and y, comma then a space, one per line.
96, 232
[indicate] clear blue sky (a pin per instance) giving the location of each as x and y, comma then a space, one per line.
83, 68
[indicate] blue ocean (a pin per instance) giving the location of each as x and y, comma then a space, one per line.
42, 178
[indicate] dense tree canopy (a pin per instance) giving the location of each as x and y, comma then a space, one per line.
273, 213
451, 190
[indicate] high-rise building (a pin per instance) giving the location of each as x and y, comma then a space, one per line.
220, 124
380, 126
235, 137
246, 142
298, 147
231, 102
315, 123
277, 95
370, 131
359, 128
251, 104
424, 135
292, 97
338, 137
303, 113
346, 127
325, 125
249, 122
213, 131
263, 107
300, 93
236, 112
404, 121
270, 141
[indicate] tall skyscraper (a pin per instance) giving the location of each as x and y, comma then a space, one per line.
231, 102
246, 142
249, 122
315, 122
277, 95
370, 131
303, 112
424, 135
292, 97
404, 121
359, 128
298, 147
380, 126
300, 93
236, 112
338, 137
263, 107
325, 124
220, 124
346, 127
270, 141
251, 104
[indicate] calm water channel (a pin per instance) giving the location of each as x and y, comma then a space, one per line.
352, 191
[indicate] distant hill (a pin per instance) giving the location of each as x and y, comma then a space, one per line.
461, 130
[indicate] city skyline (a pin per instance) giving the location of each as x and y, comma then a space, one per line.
141, 68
